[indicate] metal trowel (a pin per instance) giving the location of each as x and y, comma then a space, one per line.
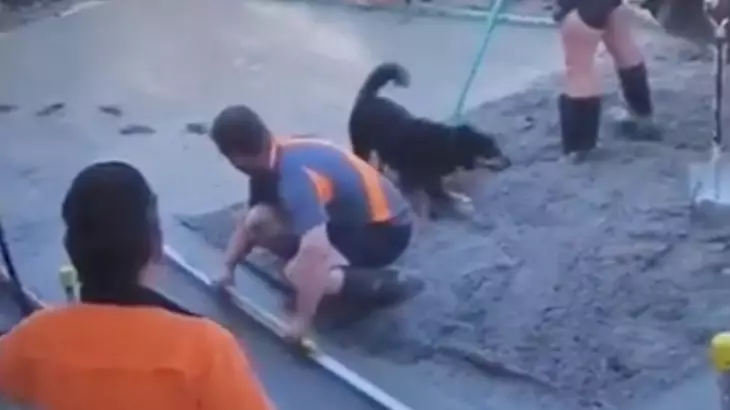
710, 181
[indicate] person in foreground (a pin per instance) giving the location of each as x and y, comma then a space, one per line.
335, 220
584, 24
123, 346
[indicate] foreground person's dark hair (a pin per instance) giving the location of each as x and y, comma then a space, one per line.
112, 229
239, 130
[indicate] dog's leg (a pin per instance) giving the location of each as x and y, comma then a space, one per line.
457, 201
423, 211
437, 195
423, 205
414, 190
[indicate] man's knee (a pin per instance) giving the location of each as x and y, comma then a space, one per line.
267, 228
261, 221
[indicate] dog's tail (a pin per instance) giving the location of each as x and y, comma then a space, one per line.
382, 75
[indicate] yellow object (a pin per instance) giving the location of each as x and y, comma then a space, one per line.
67, 276
720, 351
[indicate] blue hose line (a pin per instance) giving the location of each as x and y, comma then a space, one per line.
492, 20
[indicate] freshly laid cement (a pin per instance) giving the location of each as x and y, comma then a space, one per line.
591, 280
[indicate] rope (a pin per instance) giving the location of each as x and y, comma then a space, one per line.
492, 19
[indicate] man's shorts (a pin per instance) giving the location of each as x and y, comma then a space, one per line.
374, 245
369, 249
594, 13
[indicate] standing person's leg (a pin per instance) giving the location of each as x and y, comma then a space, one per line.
581, 30
632, 74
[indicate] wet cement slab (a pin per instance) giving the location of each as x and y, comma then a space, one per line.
595, 282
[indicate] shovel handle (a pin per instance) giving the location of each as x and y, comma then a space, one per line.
719, 63
720, 51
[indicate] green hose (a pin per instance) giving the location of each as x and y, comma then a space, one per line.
492, 19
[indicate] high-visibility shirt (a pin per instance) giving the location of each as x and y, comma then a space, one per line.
106, 357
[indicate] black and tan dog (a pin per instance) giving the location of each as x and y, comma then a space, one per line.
420, 151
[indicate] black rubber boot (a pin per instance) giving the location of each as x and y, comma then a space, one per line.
638, 123
567, 125
579, 123
635, 87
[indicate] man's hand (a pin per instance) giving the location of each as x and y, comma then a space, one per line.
239, 246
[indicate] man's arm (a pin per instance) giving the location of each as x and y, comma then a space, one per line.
262, 191
229, 382
239, 244
308, 271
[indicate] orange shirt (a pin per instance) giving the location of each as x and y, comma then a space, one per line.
103, 357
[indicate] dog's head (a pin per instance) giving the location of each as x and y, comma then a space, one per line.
479, 149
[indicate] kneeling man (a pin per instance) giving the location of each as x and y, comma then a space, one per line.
334, 219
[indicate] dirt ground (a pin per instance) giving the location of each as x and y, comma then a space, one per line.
593, 281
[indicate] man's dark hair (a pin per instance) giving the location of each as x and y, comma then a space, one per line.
112, 228
239, 130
